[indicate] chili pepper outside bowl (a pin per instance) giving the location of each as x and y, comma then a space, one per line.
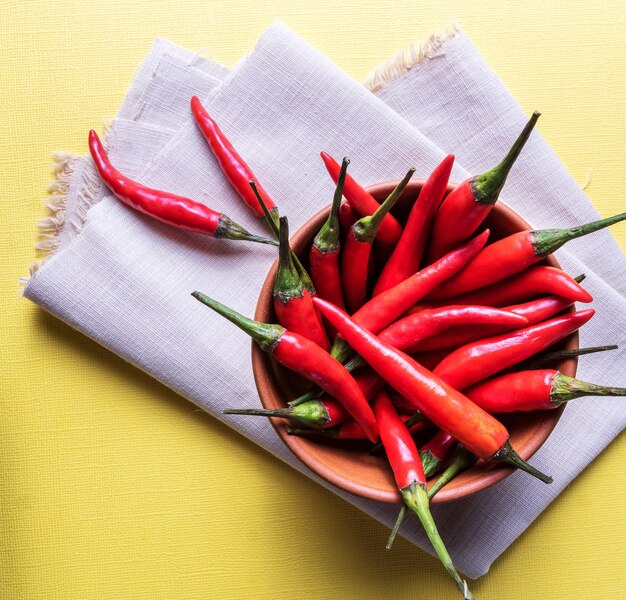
348, 465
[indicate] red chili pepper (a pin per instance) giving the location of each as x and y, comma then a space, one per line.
293, 303
513, 254
534, 311
543, 389
478, 360
363, 203
532, 282
322, 413
467, 206
435, 451
355, 261
347, 216
385, 308
234, 167
351, 430
407, 255
324, 253
446, 407
306, 359
409, 475
178, 211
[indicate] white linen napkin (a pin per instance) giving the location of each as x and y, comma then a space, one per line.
125, 280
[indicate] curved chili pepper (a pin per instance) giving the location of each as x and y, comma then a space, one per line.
477, 361
532, 282
542, 389
363, 203
551, 357
324, 253
407, 255
435, 451
446, 407
293, 303
178, 211
357, 249
534, 311
305, 358
233, 166
351, 430
469, 203
409, 476
513, 254
321, 413
385, 308
462, 459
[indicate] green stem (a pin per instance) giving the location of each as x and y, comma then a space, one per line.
233, 231
416, 499
312, 414
287, 284
550, 357
566, 388
430, 462
546, 241
327, 239
267, 336
356, 362
341, 350
507, 455
396, 527
366, 229
462, 459
271, 219
580, 278
487, 187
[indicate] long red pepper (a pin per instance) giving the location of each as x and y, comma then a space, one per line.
351, 430
322, 413
306, 359
234, 167
478, 360
178, 211
533, 282
324, 253
385, 308
467, 206
409, 475
357, 249
293, 303
363, 203
534, 311
446, 407
513, 254
534, 390
435, 451
407, 255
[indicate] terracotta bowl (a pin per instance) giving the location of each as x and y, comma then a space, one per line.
347, 464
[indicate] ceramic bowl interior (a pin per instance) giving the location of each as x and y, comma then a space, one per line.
347, 464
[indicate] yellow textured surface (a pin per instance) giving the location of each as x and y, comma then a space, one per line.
111, 486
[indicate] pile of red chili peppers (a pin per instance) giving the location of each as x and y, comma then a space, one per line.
415, 333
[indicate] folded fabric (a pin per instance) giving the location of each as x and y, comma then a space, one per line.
126, 280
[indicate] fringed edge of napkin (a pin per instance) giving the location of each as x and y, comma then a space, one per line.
408, 58
66, 166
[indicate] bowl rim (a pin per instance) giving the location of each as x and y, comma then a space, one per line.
489, 476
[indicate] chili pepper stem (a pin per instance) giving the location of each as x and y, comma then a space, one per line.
430, 462
561, 354
232, 231
313, 394
327, 239
416, 499
487, 187
366, 229
267, 336
462, 460
546, 241
341, 350
312, 414
287, 277
566, 388
396, 527
507, 455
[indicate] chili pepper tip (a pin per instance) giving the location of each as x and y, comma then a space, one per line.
396, 527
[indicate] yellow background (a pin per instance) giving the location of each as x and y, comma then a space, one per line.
111, 486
